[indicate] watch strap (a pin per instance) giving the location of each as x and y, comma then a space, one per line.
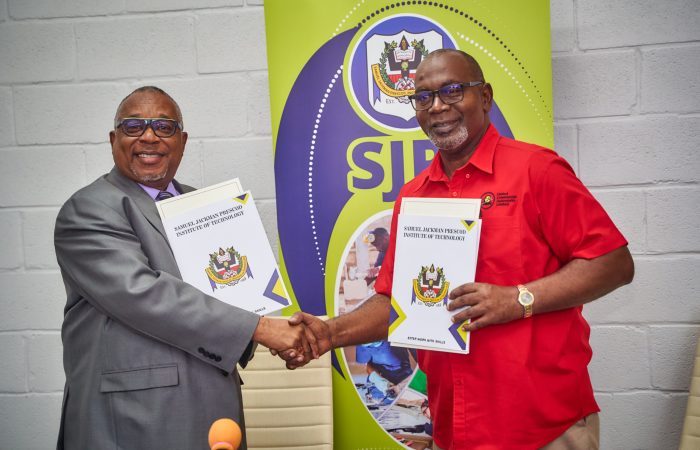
527, 308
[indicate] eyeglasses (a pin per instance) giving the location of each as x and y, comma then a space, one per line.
135, 127
449, 94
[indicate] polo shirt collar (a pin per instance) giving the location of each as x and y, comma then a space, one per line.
482, 159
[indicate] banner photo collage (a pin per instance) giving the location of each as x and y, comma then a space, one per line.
346, 139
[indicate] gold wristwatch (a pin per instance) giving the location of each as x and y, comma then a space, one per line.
525, 298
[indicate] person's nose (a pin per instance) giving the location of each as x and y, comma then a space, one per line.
149, 135
438, 105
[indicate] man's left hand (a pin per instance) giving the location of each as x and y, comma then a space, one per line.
488, 305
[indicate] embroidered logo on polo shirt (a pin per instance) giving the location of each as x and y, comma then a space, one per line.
489, 199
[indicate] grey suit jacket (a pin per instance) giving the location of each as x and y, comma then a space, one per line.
150, 361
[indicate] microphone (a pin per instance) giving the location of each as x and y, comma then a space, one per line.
224, 434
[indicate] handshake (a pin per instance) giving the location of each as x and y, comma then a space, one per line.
297, 339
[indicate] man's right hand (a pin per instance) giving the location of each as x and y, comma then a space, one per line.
280, 335
317, 333
366, 323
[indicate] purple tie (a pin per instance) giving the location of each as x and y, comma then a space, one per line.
162, 195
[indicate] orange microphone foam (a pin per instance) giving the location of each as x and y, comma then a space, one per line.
224, 434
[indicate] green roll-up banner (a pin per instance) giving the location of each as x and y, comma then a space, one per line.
346, 140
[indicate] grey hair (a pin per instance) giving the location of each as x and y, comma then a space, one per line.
152, 89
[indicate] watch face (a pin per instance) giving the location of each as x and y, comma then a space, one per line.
526, 298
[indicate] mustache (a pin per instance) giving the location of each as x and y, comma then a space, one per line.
451, 141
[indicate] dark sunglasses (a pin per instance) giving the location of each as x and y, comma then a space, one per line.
135, 127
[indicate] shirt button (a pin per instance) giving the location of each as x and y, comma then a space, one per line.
454, 194
468, 175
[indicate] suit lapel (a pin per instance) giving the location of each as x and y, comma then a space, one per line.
143, 201
182, 188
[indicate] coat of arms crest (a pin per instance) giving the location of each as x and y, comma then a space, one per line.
430, 287
227, 268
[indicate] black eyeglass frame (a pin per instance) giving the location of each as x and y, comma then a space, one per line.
148, 122
448, 101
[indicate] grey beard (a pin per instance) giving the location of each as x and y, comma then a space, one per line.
148, 178
452, 141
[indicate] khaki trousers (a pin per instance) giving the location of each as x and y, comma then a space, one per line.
583, 435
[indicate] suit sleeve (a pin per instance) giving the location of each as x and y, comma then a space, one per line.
106, 263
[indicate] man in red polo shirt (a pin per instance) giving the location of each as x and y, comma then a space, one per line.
547, 247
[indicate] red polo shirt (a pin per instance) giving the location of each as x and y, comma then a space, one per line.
525, 382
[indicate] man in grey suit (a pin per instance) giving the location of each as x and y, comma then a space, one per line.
150, 361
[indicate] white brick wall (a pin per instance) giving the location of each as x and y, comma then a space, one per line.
626, 103
7, 127
594, 84
622, 23
626, 93
54, 105
669, 79
10, 240
641, 419
237, 34
47, 9
114, 48
39, 52
626, 151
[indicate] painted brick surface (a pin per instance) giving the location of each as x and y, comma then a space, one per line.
565, 137
603, 23
594, 84
190, 171
91, 106
250, 160
31, 421
13, 370
31, 301
10, 252
669, 79
562, 24
46, 9
52, 187
672, 217
7, 125
259, 105
170, 5
640, 150
620, 358
45, 361
126, 48
627, 209
670, 346
98, 159
230, 42
212, 106
39, 52
665, 290
641, 420
38, 238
